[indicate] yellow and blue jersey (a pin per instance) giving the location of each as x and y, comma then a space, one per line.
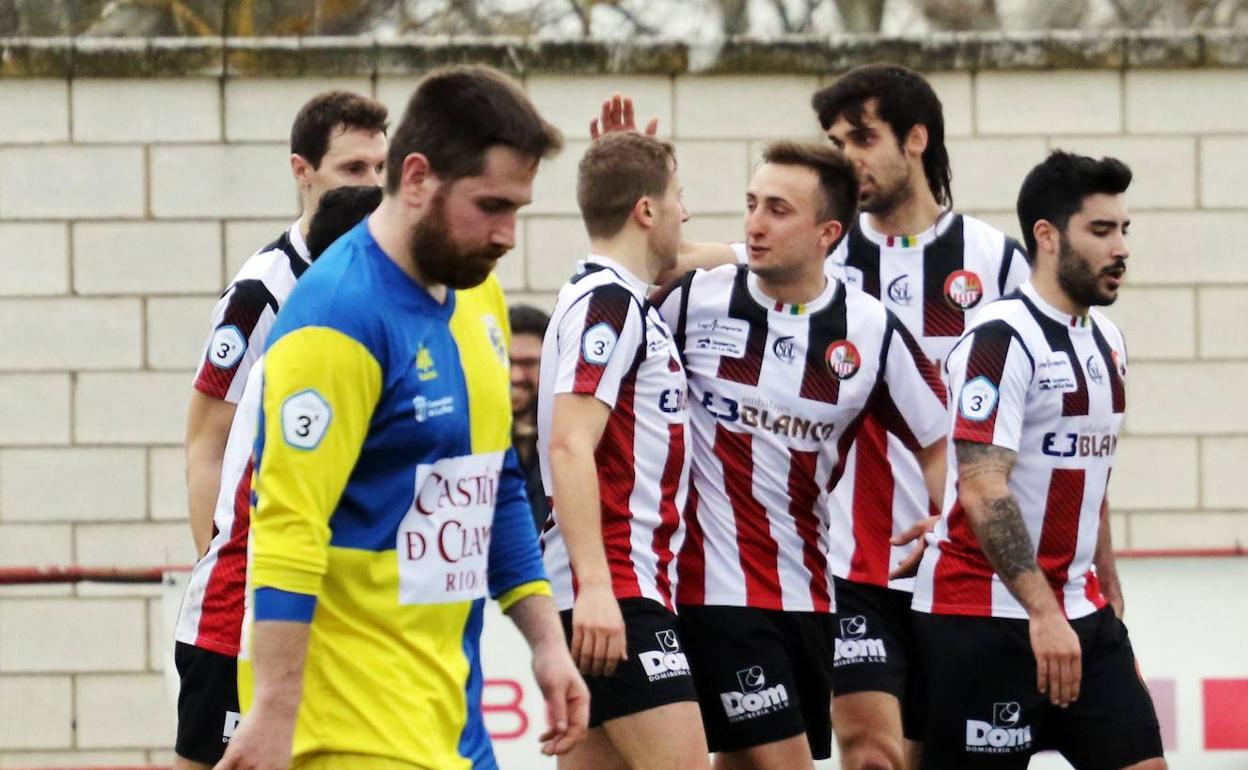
387, 502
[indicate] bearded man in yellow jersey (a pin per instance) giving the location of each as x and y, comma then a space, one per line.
387, 499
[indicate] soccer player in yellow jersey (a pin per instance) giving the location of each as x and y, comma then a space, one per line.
387, 500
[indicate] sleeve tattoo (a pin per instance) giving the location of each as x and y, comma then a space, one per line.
999, 524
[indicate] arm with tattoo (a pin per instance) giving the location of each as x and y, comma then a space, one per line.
983, 476
983, 489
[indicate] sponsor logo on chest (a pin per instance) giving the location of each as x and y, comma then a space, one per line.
725, 336
443, 541
1056, 373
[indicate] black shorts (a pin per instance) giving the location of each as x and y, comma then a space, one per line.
655, 673
981, 708
762, 675
207, 702
874, 639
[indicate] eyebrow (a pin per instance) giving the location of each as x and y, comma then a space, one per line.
1109, 223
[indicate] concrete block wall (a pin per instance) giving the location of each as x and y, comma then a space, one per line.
126, 203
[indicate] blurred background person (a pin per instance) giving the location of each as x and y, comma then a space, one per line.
528, 327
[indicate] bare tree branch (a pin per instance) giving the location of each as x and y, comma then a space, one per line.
861, 15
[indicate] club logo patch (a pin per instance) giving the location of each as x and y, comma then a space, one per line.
899, 290
495, 333
963, 289
843, 359
784, 348
1095, 372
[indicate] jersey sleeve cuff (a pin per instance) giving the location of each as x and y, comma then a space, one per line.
276, 604
523, 591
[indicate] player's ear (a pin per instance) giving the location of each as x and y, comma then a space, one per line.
916, 139
829, 233
415, 179
1048, 237
301, 169
643, 212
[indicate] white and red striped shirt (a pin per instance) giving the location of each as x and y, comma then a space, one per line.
212, 610
780, 391
211, 615
1050, 387
935, 283
244, 315
606, 341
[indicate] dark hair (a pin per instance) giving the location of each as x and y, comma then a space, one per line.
459, 112
340, 210
614, 173
526, 319
837, 180
903, 100
315, 124
1055, 189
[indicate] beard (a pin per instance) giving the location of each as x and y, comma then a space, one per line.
441, 260
1077, 280
885, 199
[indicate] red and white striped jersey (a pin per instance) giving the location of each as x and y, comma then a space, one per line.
1050, 387
212, 610
778, 393
606, 341
245, 312
211, 616
935, 283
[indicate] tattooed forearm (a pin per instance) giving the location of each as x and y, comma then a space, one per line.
976, 460
1004, 538
983, 476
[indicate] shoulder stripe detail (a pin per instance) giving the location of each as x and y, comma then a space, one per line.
741, 305
863, 254
827, 326
1007, 258
1117, 387
943, 260
1073, 402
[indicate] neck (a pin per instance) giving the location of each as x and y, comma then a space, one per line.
305, 220
1050, 290
393, 234
630, 250
917, 213
798, 288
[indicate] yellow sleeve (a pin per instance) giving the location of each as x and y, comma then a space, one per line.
320, 390
532, 588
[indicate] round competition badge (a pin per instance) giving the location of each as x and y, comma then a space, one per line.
843, 359
963, 289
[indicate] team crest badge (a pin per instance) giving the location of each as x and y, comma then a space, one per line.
843, 359
495, 333
964, 289
425, 369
